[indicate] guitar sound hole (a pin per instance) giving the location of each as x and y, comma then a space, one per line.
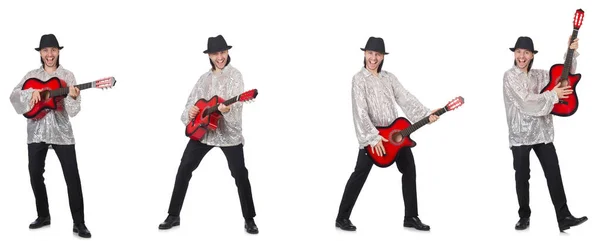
396, 137
44, 95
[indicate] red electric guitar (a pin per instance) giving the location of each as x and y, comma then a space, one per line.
208, 117
560, 73
54, 90
398, 134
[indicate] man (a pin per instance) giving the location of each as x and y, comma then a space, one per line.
225, 81
52, 131
374, 93
529, 118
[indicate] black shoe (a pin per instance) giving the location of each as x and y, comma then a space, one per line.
250, 226
169, 222
81, 230
40, 222
522, 224
415, 222
570, 221
345, 224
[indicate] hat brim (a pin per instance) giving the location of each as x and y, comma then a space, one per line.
217, 50
38, 49
374, 50
513, 49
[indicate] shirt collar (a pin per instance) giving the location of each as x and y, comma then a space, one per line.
56, 71
519, 71
225, 70
367, 73
516, 69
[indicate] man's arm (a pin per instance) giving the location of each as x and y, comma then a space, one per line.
409, 104
20, 99
526, 102
233, 117
191, 101
72, 105
364, 128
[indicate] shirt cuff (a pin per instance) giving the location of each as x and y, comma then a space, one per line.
375, 140
553, 96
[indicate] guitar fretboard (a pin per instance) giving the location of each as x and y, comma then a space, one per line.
412, 128
216, 107
569, 58
65, 90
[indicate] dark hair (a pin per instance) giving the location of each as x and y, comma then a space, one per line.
213, 65
378, 68
57, 61
528, 67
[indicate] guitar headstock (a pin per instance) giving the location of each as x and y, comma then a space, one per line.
248, 95
455, 103
578, 19
105, 83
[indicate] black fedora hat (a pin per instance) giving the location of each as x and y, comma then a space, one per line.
375, 44
48, 40
524, 42
216, 44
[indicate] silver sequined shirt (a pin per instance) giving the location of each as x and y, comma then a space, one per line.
527, 111
373, 104
227, 84
55, 127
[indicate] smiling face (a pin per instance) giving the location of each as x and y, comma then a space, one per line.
523, 58
219, 59
373, 59
50, 57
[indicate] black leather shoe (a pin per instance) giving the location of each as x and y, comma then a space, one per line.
415, 222
522, 224
250, 226
345, 224
169, 222
570, 221
81, 230
40, 222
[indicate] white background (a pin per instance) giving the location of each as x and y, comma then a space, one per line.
301, 147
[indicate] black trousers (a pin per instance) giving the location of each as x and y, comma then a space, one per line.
546, 153
193, 154
68, 161
406, 165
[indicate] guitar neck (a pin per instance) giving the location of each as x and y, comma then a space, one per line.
65, 90
569, 58
216, 107
412, 128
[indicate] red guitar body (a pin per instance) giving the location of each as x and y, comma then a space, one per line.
392, 147
45, 105
198, 126
569, 105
